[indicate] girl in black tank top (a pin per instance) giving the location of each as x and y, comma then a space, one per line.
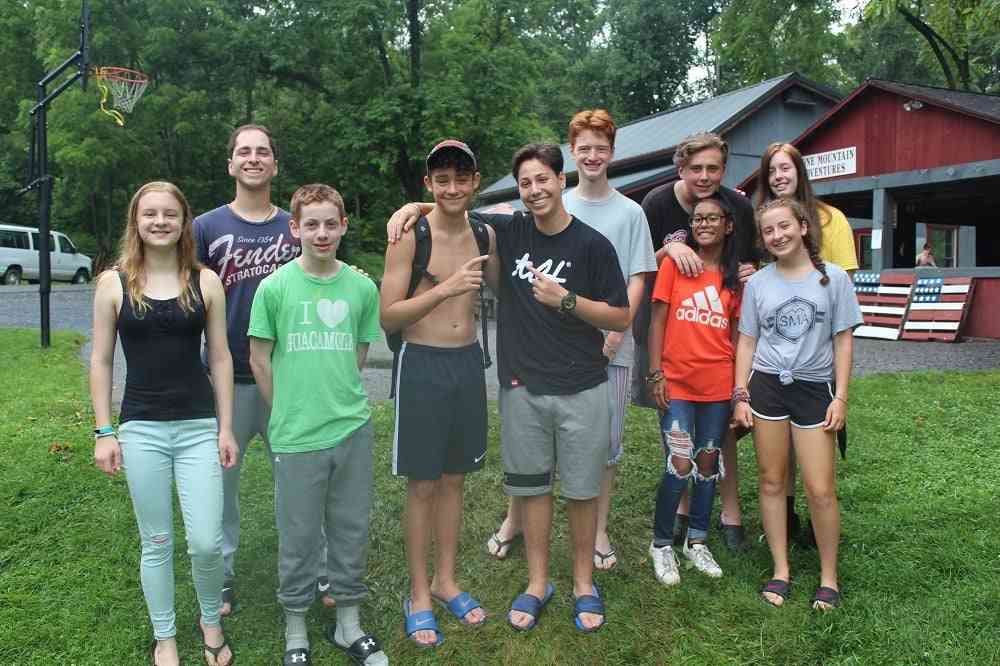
175, 424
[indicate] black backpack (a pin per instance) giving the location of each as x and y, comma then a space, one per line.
421, 260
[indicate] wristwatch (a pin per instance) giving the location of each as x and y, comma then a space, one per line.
568, 303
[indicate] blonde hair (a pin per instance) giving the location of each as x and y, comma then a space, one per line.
798, 211
132, 253
696, 143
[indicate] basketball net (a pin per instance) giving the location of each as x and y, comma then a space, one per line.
124, 86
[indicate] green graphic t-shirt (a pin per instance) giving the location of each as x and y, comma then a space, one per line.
316, 325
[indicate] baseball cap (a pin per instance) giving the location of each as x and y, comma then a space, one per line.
454, 144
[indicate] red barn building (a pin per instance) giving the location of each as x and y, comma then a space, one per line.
910, 165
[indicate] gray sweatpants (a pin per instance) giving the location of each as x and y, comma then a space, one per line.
332, 484
250, 417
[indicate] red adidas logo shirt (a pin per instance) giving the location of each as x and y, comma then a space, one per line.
698, 349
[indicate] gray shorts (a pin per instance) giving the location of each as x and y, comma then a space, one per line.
542, 433
619, 392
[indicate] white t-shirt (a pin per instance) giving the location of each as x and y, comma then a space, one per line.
623, 222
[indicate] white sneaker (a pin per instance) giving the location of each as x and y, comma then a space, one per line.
701, 557
665, 564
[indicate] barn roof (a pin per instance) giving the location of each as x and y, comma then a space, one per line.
656, 135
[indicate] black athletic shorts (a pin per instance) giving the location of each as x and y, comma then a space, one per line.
804, 404
440, 411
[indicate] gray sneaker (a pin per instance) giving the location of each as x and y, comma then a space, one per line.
701, 557
665, 564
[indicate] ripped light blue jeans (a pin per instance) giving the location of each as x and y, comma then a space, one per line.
156, 454
689, 428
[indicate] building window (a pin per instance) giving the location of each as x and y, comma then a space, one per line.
944, 242
863, 243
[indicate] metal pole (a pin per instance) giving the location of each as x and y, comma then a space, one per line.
45, 200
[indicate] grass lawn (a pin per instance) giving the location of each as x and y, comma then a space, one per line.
920, 556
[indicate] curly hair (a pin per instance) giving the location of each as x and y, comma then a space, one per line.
798, 211
729, 261
596, 120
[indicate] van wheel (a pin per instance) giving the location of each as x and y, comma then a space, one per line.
81, 277
12, 276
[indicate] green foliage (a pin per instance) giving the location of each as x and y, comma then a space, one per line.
959, 36
759, 39
887, 49
918, 558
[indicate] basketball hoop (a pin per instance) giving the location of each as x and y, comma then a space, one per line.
124, 85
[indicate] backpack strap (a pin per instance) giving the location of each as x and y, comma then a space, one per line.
482, 235
418, 271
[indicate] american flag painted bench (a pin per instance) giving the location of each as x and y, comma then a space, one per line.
884, 298
938, 308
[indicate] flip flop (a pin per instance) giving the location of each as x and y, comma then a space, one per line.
776, 586
323, 592
531, 605
461, 605
600, 559
229, 597
420, 621
499, 549
825, 595
359, 650
215, 651
589, 603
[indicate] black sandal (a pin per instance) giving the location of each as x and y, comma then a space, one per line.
359, 650
215, 651
229, 597
734, 536
776, 586
825, 595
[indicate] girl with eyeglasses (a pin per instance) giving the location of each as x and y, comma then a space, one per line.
692, 334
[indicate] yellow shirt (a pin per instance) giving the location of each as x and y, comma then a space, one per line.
838, 238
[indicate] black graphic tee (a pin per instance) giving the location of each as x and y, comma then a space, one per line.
668, 219
548, 352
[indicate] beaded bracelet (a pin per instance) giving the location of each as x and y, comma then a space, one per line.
655, 377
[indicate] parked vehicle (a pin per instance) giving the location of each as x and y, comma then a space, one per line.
19, 256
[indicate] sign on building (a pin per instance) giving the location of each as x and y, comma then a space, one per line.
840, 162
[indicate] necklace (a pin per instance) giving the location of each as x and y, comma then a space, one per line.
270, 213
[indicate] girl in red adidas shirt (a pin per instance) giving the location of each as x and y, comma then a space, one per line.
692, 327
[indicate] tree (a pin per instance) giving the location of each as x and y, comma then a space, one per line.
759, 39
886, 50
961, 34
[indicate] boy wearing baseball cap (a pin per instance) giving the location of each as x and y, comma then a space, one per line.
440, 386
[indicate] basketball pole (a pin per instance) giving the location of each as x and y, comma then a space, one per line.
39, 177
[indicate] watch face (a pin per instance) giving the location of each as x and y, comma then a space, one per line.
568, 302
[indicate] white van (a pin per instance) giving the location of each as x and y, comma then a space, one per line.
19, 256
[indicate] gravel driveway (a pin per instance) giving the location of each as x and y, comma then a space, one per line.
71, 309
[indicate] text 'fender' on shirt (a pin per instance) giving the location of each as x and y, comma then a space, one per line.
240, 260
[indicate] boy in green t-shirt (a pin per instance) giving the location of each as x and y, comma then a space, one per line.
310, 326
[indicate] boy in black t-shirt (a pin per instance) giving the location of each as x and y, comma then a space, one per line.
701, 166
560, 284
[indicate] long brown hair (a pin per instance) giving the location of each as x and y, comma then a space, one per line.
803, 188
798, 211
132, 253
